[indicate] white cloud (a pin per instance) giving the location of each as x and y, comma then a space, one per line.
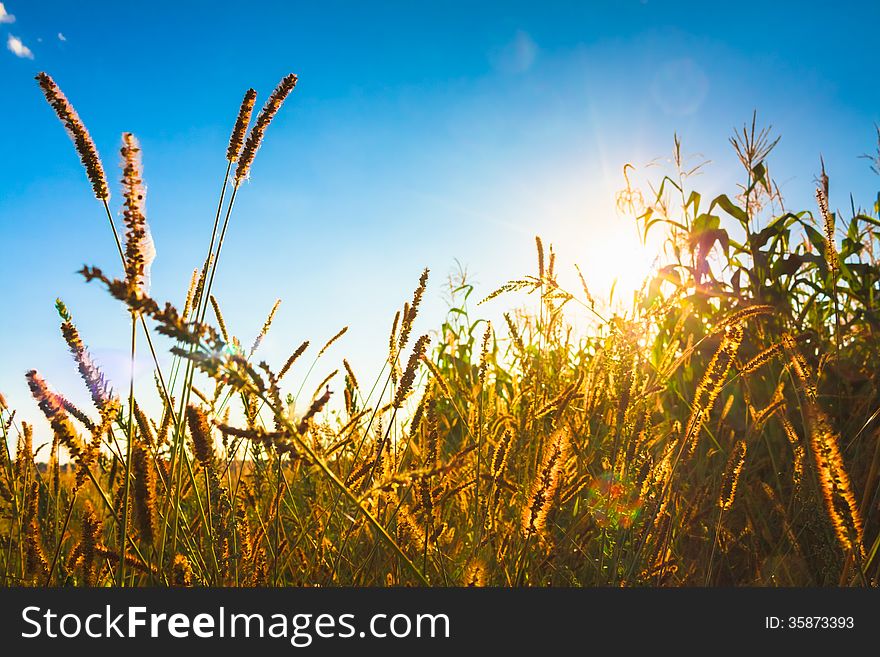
5, 16
18, 48
61, 37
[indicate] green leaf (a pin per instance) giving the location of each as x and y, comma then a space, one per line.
816, 238
730, 208
693, 201
704, 222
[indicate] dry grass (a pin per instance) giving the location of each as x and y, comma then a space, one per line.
720, 431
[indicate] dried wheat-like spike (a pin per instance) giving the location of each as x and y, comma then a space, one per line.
799, 453
411, 310
475, 574
730, 479
484, 355
89, 541
625, 388
35, 557
332, 340
410, 531
514, 334
438, 377
498, 464
143, 425
586, 289
24, 451
800, 367
427, 399
546, 484
236, 139
540, 246
220, 321
139, 251
712, 382
200, 430
432, 429
91, 374
31, 502
357, 474
190, 295
762, 358
274, 392
499, 457
512, 286
130, 560
264, 118
834, 481
425, 490
55, 413
314, 409
392, 339
93, 449
165, 423
828, 225
409, 374
243, 532
350, 373
266, 326
293, 357
200, 284
746, 313
143, 491
279, 439
181, 571
85, 147
75, 412
425, 495
728, 405
36, 563
324, 383
759, 417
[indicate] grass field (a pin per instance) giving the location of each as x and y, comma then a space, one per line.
719, 430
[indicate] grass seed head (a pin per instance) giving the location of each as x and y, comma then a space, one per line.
82, 140
732, 471
236, 139
258, 131
139, 249
200, 431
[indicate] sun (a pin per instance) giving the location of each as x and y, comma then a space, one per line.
612, 258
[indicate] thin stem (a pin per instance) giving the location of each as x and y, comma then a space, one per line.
11, 484
120, 573
477, 521
338, 483
201, 292
60, 540
714, 543
177, 422
207, 292
143, 320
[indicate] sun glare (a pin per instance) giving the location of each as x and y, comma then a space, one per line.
614, 261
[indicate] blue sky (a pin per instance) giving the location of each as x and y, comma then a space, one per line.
419, 134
